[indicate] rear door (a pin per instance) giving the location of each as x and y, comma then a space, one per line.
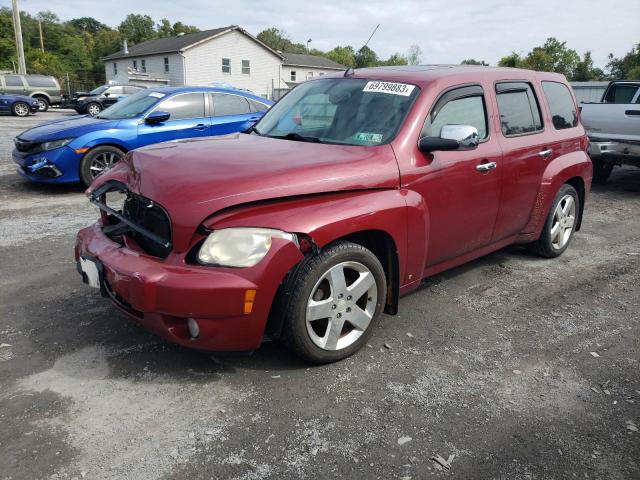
187, 120
15, 85
231, 113
526, 149
618, 118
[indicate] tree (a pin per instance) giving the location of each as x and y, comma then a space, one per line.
180, 27
585, 70
553, 56
414, 55
164, 28
366, 58
137, 28
277, 40
343, 55
627, 67
395, 59
473, 61
513, 61
87, 24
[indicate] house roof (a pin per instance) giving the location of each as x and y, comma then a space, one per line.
180, 43
304, 60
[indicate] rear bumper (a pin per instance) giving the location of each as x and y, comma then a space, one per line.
615, 151
54, 166
162, 294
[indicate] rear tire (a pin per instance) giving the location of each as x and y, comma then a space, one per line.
601, 170
560, 224
97, 161
20, 109
43, 104
93, 109
324, 321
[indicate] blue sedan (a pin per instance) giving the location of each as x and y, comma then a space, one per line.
18, 105
77, 149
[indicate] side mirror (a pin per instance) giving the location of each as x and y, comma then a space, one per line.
106, 94
157, 117
452, 137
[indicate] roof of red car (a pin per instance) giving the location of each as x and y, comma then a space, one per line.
422, 74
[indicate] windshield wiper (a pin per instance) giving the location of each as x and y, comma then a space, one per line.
297, 137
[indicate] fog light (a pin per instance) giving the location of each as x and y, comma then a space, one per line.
194, 328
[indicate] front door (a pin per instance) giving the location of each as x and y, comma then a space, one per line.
461, 188
187, 120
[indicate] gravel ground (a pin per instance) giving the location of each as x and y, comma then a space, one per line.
490, 366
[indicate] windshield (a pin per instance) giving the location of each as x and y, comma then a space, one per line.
340, 110
132, 106
99, 90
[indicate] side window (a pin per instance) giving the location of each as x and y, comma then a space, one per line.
224, 104
115, 91
518, 107
563, 110
620, 93
131, 90
44, 82
462, 106
12, 81
256, 106
187, 105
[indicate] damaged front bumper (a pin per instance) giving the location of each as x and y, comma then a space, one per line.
60, 165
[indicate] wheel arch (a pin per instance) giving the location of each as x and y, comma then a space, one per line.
44, 95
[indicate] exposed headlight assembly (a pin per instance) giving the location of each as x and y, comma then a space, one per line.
45, 146
239, 247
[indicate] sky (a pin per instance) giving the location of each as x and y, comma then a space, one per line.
447, 32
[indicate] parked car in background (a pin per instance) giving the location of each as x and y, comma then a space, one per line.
43, 88
18, 105
76, 149
613, 127
348, 192
93, 102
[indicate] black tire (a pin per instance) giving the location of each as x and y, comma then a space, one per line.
545, 245
44, 104
294, 333
20, 109
601, 170
95, 106
86, 173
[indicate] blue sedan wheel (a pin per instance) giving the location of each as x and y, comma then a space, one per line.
20, 109
97, 161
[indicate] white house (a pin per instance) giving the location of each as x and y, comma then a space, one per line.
227, 55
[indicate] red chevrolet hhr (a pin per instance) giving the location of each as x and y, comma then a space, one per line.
346, 195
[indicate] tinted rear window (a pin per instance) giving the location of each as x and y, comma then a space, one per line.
563, 110
45, 82
224, 104
519, 109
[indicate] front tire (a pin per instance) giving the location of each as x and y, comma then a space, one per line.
336, 303
97, 161
20, 109
560, 225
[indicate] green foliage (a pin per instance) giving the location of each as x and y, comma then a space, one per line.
473, 61
137, 28
366, 58
395, 59
278, 40
343, 55
627, 67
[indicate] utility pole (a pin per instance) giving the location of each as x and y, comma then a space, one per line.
22, 66
41, 39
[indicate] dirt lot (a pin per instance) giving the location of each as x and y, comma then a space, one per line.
490, 363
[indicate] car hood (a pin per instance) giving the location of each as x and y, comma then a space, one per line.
194, 179
67, 127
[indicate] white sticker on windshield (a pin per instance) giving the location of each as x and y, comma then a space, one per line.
156, 94
389, 87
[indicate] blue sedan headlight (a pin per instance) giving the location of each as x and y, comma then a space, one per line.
45, 146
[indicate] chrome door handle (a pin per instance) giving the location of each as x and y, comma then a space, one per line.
545, 153
485, 167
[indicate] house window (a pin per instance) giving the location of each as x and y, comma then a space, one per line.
135, 65
143, 65
309, 75
293, 75
246, 67
115, 68
166, 64
226, 65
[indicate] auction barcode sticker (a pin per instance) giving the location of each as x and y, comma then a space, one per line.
389, 87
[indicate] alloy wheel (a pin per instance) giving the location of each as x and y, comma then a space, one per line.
341, 306
564, 219
42, 107
93, 110
21, 110
103, 162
